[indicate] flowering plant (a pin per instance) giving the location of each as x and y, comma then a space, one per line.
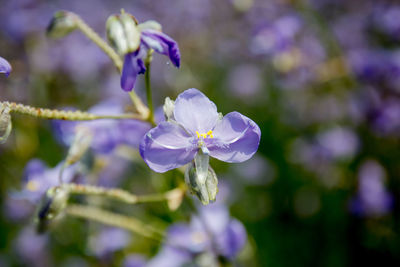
191, 131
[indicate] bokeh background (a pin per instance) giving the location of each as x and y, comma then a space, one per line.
320, 77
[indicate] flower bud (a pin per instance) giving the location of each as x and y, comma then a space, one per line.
53, 203
150, 25
83, 139
5, 123
168, 109
62, 23
207, 191
123, 33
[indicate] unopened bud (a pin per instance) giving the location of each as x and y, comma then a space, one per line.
123, 33
62, 23
150, 25
206, 191
168, 109
53, 203
5, 123
83, 139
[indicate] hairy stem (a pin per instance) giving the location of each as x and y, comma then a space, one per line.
114, 219
63, 114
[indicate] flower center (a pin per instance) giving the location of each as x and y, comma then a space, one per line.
32, 185
204, 135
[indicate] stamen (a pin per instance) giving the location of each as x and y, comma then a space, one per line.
204, 135
32, 185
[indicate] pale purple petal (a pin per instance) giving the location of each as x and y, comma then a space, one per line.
5, 67
163, 44
195, 111
133, 66
236, 138
110, 240
231, 242
170, 257
33, 168
166, 147
134, 260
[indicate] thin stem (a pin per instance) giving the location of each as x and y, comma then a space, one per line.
140, 107
172, 196
114, 193
148, 86
92, 35
114, 219
63, 114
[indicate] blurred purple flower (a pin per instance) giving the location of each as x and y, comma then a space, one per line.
17, 209
38, 178
108, 241
21, 18
372, 198
275, 37
134, 61
245, 81
31, 248
385, 19
5, 67
108, 134
213, 232
197, 125
134, 260
339, 143
387, 118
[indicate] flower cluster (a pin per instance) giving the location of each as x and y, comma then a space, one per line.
134, 41
191, 132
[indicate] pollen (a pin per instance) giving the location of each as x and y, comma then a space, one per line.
32, 185
204, 135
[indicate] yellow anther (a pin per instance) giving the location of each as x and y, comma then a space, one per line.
32, 185
204, 135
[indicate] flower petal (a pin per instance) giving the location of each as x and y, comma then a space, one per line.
195, 111
133, 66
163, 44
236, 138
166, 147
232, 240
5, 67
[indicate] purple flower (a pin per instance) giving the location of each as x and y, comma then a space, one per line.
108, 133
32, 248
38, 178
213, 234
108, 241
373, 199
276, 37
134, 61
134, 260
5, 67
197, 131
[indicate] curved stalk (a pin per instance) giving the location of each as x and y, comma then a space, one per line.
109, 218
